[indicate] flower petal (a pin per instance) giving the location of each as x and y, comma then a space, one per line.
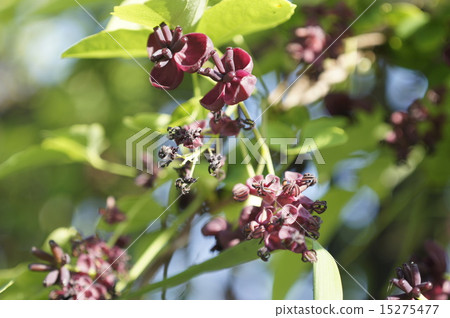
167, 77
292, 176
242, 60
213, 100
240, 90
195, 53
51, 278
152, 45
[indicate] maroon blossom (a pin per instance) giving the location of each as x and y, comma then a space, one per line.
433, 266
235, 83
285, 217
174, 54
308, 44
240, 192
267, 188
111, 214
410, 282
222, 231
225, 126
97, 269
58, 272
189, 136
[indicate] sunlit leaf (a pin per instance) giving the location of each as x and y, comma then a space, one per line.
184, 13
323, 133
327, 280
31, 158
118, 43
229, 18
154, 121
240, 254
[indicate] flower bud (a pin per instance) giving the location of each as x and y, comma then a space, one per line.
240, 192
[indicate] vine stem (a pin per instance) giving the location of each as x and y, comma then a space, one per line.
248, 166
265, 152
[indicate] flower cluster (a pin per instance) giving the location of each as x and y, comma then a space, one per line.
191, 137
410, 282
433, 266
283, 220
407, 126
174, 53
309, 42
94, 276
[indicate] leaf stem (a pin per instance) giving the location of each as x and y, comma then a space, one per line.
265, 152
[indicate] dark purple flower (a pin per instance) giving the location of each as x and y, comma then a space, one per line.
285, 217
235, 83
222, 231
267, 188
189, 136
410, 282
58, 272
225, 126
175, 54
111, 214
433, 266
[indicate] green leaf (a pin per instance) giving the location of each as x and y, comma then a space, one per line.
406, 18
188, 112
31, 158
62, 236
229, 18
327, 280
283, 280
240, 254
326, 133
139, 13
185, 13
27, 284
6, 286
118, 43
79, 142
154, 121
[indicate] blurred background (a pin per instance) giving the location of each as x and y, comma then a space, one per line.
387, 186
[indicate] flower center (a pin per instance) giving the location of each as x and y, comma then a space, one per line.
229, 77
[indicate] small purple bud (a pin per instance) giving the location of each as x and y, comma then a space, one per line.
240, 192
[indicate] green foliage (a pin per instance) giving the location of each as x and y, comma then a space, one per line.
229, 18
185, 13
76, 161
235, 16
240, 254
327, 280
107, 44
31, 158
